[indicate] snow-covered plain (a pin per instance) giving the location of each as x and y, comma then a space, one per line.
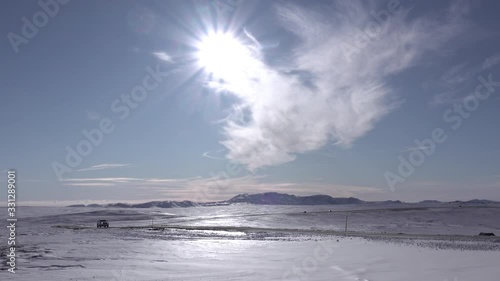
255, 242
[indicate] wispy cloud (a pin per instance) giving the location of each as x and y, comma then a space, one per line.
212, 154
215, 188
92, 115
104, 167
491, 61
458, 74
127, 181
447, 97
115, 180
90, 184
456, 80
410, 149
327, 94
163, 56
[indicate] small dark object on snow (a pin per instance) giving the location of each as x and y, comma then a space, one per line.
486, 234
102, 223
330, 211
305, 212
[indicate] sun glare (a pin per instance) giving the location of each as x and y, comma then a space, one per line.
222, 54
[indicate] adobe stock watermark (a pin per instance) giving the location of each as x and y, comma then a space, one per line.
30, 27
454, 117
121, 107
11, 221
371, 30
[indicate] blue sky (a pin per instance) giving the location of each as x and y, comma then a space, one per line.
202, 100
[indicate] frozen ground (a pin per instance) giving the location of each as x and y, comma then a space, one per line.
248, 242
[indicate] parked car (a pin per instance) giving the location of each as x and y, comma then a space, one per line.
102, 223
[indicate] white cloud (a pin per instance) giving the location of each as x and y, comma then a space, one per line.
423, 148
328, 93
104, 167
127, 181
456, 81
453, 83
447, 97
163, 56
92, 115
491, 61
213, 154
90, 184
115, 180
200, 189
458, 74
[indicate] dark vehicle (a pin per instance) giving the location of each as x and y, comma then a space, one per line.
102, 223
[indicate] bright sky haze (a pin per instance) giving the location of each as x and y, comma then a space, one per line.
132, 101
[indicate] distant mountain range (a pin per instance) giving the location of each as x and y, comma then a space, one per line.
274, 198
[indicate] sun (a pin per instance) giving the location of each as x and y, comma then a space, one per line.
222, 55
